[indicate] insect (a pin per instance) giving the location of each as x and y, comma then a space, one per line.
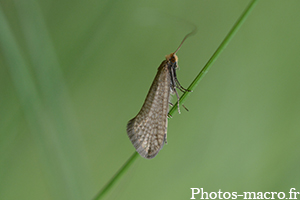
147, 131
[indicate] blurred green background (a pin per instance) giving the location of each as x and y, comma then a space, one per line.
72, 73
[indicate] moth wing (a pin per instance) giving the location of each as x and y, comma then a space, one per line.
148, 130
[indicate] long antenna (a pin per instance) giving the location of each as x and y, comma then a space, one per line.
188, 35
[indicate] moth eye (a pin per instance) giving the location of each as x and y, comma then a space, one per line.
173, 59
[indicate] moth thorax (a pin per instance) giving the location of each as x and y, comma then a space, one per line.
172, 57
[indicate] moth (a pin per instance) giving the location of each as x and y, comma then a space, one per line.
147, 131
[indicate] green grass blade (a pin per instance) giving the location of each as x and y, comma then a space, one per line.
69, 162
43, 95
214, 57
117, 176
201, 74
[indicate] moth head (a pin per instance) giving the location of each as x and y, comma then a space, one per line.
172, 58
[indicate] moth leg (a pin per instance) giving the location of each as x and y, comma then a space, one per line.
173, 84
165, 139
185, 108
177, 100
180, 87
171, 104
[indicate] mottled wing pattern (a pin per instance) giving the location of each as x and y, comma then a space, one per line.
148, 130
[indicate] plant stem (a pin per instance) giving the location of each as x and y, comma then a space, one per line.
201, 74
117, 176
214, 57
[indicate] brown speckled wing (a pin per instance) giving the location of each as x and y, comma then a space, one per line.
148, 130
